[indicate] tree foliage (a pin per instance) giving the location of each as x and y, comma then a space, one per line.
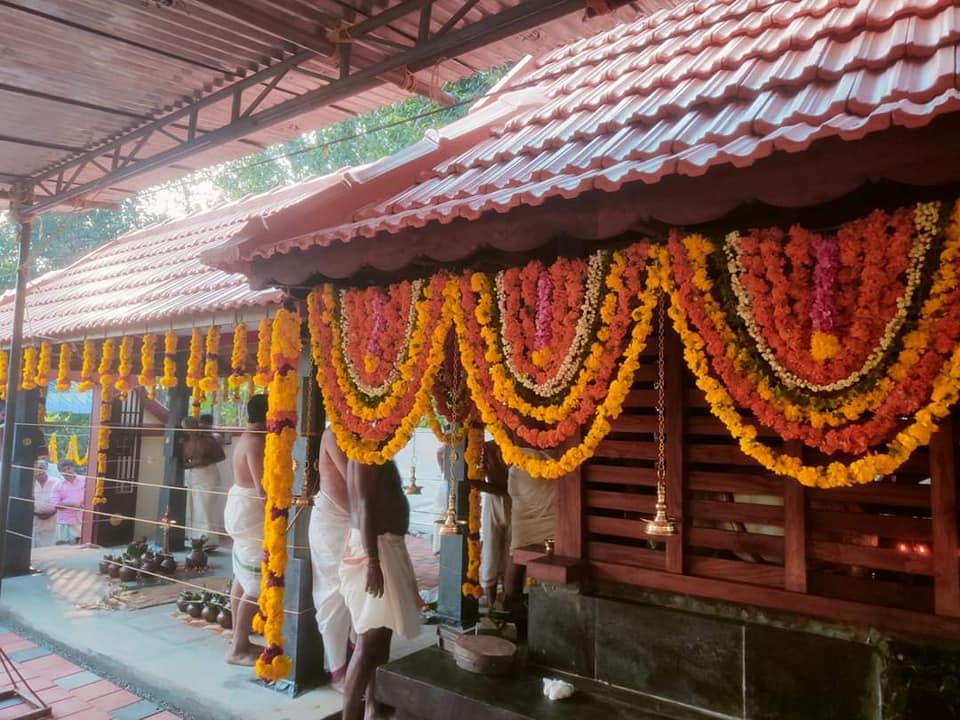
60, 238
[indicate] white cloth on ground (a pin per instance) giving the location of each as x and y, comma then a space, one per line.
532, 505
203, 516
329, 528
494, 538
399, 607
44, 529
243, 517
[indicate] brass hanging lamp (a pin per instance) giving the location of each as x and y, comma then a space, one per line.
661, 524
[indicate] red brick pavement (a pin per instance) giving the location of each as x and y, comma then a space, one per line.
69, 690
426, 565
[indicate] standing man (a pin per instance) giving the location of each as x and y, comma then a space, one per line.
494, 522
44, 505
202, 450
68, 499
377, 578
244, 522
329, 528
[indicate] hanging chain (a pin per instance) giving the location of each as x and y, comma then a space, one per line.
661, 396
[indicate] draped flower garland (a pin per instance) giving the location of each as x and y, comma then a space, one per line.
473, 456
916, 325
376, 368
278, 479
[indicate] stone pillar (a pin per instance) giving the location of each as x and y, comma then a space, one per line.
28, 441
453, 608
174, 501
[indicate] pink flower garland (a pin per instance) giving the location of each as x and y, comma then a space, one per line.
823, 344
543, 320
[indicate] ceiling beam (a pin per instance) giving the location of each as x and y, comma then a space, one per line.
71, 101
40, 144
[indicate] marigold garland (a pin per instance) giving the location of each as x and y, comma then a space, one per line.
4, 365
278, 477
53, 451
169, 378
148, 364
73, 450
261, 378
44, 365
28, 377
238, 360
945, 392
210, 382
89, 361
103, 438
106, 370
63, 367
124, 382
473, 456
194, 371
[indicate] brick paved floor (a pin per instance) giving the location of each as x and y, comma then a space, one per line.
71, 691
426, 565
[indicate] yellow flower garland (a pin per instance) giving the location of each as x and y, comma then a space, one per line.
103, 440
238, 360
194, 370
946, 390
63, 367
148, 364
107, 356
124, 382
473, 456
855, 405
210, 382
353, 447
87, 380
169, 378
53, 452
73, 450
262, 376
608, 410
44, 365
278, 477
28, 378
4, 363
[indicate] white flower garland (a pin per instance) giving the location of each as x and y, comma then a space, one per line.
926, 219
379, 391
588, 313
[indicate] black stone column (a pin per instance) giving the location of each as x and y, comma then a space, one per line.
29, 441
452, 607
173, 500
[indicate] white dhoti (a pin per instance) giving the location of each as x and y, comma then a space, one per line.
243, 517
202, 517
532, 506
494, 538
399, 607
329, 529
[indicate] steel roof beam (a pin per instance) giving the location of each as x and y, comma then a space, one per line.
121, 154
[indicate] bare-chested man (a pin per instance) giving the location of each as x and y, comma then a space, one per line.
244, 521
376, 578
494, 522
202, 450
329, 528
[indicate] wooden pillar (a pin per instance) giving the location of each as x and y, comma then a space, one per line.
943, 506
568, 528
794, 528
674, 412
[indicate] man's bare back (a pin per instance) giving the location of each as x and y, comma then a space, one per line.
376, 490
200, 447
248, 458
332, 469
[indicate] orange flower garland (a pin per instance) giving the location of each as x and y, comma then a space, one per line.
124, 382
473, 456
63, 368
278, 476
28, 376
148, 364
44, 365
169, 378
108, 355
103, 441
261, 377
210, 382
194, 371
4, 367
238, 360
89, 361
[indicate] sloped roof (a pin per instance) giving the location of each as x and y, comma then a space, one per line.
708, 84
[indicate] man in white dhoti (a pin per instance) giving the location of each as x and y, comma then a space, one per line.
202, 450
494, 522
244, 522
44, 505
532, 515
376, 578
329, 528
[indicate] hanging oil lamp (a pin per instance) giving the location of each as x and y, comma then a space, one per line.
661, 524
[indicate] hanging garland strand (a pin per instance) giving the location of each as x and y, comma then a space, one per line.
4, 366
28, 377
195, 370
63, 367
148, 364
53, 450
473, 456
73, 450
278, 477
238, 361
169, 378
124, 383
210, 382
103, 442
261, 377
44, 365
89, 362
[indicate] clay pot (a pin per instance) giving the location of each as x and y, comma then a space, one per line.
168, 565
113, 570
127, 573
209, 613
194, 609
225, 618
197, 558
104, 567
150, 565
182, 604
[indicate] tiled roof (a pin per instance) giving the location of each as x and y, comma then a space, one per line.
709, 83
152, 277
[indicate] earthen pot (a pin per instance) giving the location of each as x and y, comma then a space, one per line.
194, 610
209, 613
225, 618
128, 574
168, 565
182, 604
113, 570
104, 567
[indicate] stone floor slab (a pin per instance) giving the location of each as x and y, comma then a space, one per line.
77, 680
137, 711
22, 656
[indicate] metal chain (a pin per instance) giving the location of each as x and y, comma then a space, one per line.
661, 398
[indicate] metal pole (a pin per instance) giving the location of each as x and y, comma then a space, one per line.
23, 197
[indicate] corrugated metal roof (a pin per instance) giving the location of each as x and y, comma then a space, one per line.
78, 73
706, 84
